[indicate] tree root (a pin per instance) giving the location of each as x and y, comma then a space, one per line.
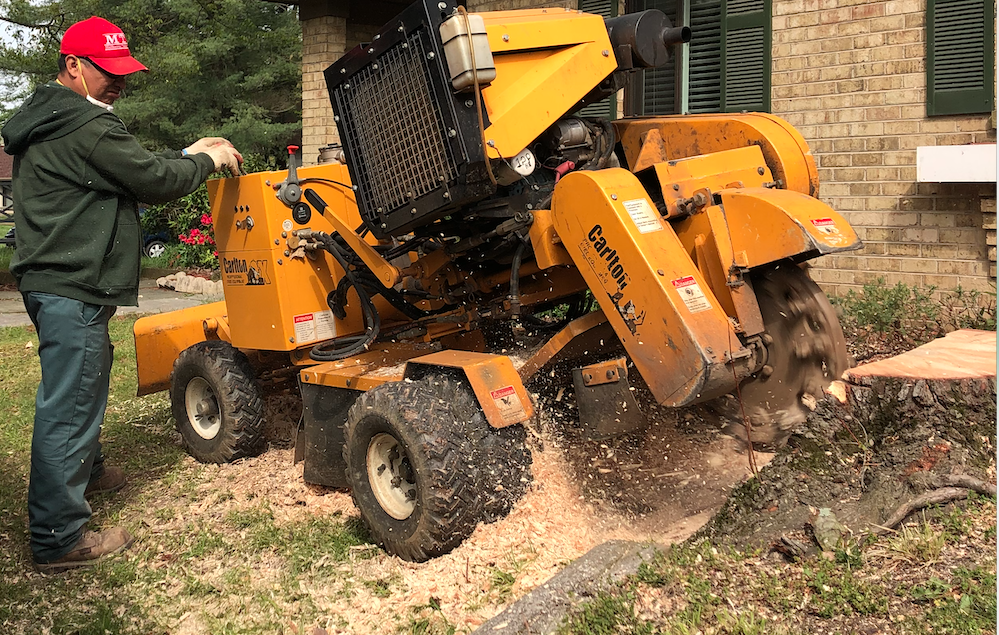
967, 482
955, 487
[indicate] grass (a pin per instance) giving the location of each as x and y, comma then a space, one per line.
503, 576
427, 619
936, 575
207, 555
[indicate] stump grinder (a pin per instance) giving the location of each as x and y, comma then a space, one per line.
474, 237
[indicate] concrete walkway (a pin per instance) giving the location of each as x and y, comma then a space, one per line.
152, 299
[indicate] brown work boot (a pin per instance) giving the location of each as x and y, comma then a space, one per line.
93, 547
112, 480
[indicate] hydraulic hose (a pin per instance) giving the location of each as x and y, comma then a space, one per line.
343, 347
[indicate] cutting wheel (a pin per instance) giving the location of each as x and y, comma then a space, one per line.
806, 351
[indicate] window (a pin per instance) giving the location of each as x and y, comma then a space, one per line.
959, 55
724, 68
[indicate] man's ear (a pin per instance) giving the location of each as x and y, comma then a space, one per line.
73, 66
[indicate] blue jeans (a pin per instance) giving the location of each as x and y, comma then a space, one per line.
76, 355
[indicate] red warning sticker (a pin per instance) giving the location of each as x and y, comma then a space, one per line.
305, 328
825, 225
691, 294
508, 403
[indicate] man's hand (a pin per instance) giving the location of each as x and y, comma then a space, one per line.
202, 145
225, 156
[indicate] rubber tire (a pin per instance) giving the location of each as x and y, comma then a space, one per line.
775, 413
501, 454
230, 376
160, 248
422, 420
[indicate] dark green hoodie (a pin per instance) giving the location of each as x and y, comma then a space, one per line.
78, 177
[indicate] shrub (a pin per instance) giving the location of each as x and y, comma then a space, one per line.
881, 318
899, 311
973, 309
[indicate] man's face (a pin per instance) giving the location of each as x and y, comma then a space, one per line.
102, 85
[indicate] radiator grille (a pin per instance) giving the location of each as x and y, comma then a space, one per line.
393, 124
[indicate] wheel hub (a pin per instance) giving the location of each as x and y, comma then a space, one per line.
156, 250
391, 476
203, 408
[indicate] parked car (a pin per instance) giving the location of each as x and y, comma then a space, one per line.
153, 245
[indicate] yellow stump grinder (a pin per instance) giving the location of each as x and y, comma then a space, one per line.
471, 236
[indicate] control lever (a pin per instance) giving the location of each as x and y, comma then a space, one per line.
289, 191
316, 201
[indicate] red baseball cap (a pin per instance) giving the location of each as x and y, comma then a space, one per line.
102, 43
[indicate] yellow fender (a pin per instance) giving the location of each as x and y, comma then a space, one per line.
159, 339
495, 382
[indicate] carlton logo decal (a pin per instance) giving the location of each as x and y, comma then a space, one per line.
596, 250
234, 265
240, 272
614, 267
115, 42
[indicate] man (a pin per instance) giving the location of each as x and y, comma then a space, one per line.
78, 175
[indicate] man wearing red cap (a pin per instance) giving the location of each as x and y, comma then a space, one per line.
78, 177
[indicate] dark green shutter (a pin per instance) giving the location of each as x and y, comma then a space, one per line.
704, 77
659, 91
605, 107
745, 60
959, 55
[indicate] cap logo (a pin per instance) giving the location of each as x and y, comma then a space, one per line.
115, 42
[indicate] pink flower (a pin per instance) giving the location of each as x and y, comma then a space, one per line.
206, 219
215, 253
195, 232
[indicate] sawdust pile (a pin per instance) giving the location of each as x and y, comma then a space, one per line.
646, 487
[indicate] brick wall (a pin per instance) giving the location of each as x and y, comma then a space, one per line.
324, 40
851, 76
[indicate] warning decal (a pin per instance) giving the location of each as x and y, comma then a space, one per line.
508, 403
325, 330
310, 327
645, 216
825, 225
691, 294
305, 328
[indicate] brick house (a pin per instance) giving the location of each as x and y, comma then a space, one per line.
891, 95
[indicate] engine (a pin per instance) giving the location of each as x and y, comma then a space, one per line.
456, 127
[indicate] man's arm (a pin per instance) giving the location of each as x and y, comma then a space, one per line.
153, 178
